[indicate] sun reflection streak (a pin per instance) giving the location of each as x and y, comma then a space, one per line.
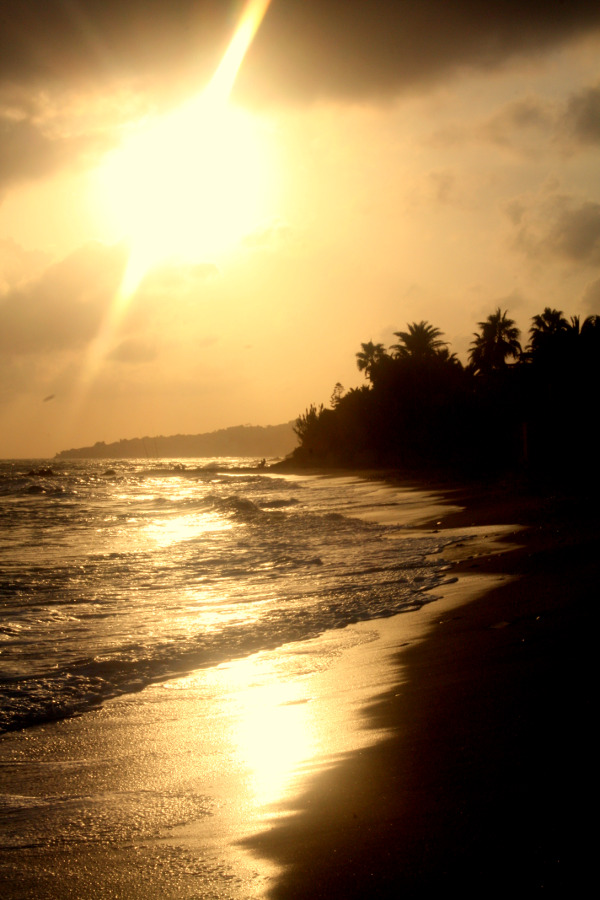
275, 731
211, 103
165, 533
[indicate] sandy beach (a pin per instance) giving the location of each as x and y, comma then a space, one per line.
446, 747
482, 782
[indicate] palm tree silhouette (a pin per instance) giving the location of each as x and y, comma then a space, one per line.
591, 327
546, 327
497, 341
368, 358
584, 338
422, 340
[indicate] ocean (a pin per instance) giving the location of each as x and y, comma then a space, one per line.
116, 575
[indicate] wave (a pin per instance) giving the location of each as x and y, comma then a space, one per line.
139, 573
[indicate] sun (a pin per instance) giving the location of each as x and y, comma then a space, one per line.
189, 185
192, 183
186, 186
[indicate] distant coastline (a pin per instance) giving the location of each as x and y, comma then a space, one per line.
239, 440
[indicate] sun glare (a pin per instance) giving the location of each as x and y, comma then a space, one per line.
186, 186
191, 184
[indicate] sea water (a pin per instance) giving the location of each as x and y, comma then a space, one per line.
115, 575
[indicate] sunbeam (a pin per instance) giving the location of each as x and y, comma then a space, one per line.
187, 185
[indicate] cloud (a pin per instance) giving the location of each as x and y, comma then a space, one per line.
176, 277
533, 125
304, 48
35, 141
62, 308
575, 233
442, 188
444, 183
317, 48
133, 351
59, 42
591, 298
559, 227
581, 120
18, 265
521, 124
27, 153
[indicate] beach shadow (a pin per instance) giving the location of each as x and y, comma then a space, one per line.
481, 785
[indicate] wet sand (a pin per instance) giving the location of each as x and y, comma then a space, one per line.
483, 782
447, 747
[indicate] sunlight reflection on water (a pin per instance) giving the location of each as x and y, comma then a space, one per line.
274, 732
164, 532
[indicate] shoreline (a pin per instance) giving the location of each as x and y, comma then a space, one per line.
395, 796
481, 783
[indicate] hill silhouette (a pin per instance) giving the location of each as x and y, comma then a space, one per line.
239, 440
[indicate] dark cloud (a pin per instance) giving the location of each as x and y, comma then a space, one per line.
304, 49
533, 125
559, 227
520, 124
576, 233
59, 42
582, 116
63, 308
26, 152
309, 48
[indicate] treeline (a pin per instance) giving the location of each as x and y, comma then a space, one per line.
531, 408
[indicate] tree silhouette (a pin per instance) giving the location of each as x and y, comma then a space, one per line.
368, 358
420, 341
423, 411
306, 423
497, 341
336, 394
546, 327
590, 330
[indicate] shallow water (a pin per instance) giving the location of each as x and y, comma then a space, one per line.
114, 576
112, 580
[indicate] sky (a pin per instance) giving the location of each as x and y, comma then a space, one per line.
207, 206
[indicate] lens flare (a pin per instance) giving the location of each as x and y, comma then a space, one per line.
187, 185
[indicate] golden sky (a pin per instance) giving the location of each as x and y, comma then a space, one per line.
206, 206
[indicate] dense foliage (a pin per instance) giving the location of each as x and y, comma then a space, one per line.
510, 408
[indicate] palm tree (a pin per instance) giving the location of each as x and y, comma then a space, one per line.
368, 358
591, 327
422, 340
445, 356
497, 341
546, 327
585, 337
